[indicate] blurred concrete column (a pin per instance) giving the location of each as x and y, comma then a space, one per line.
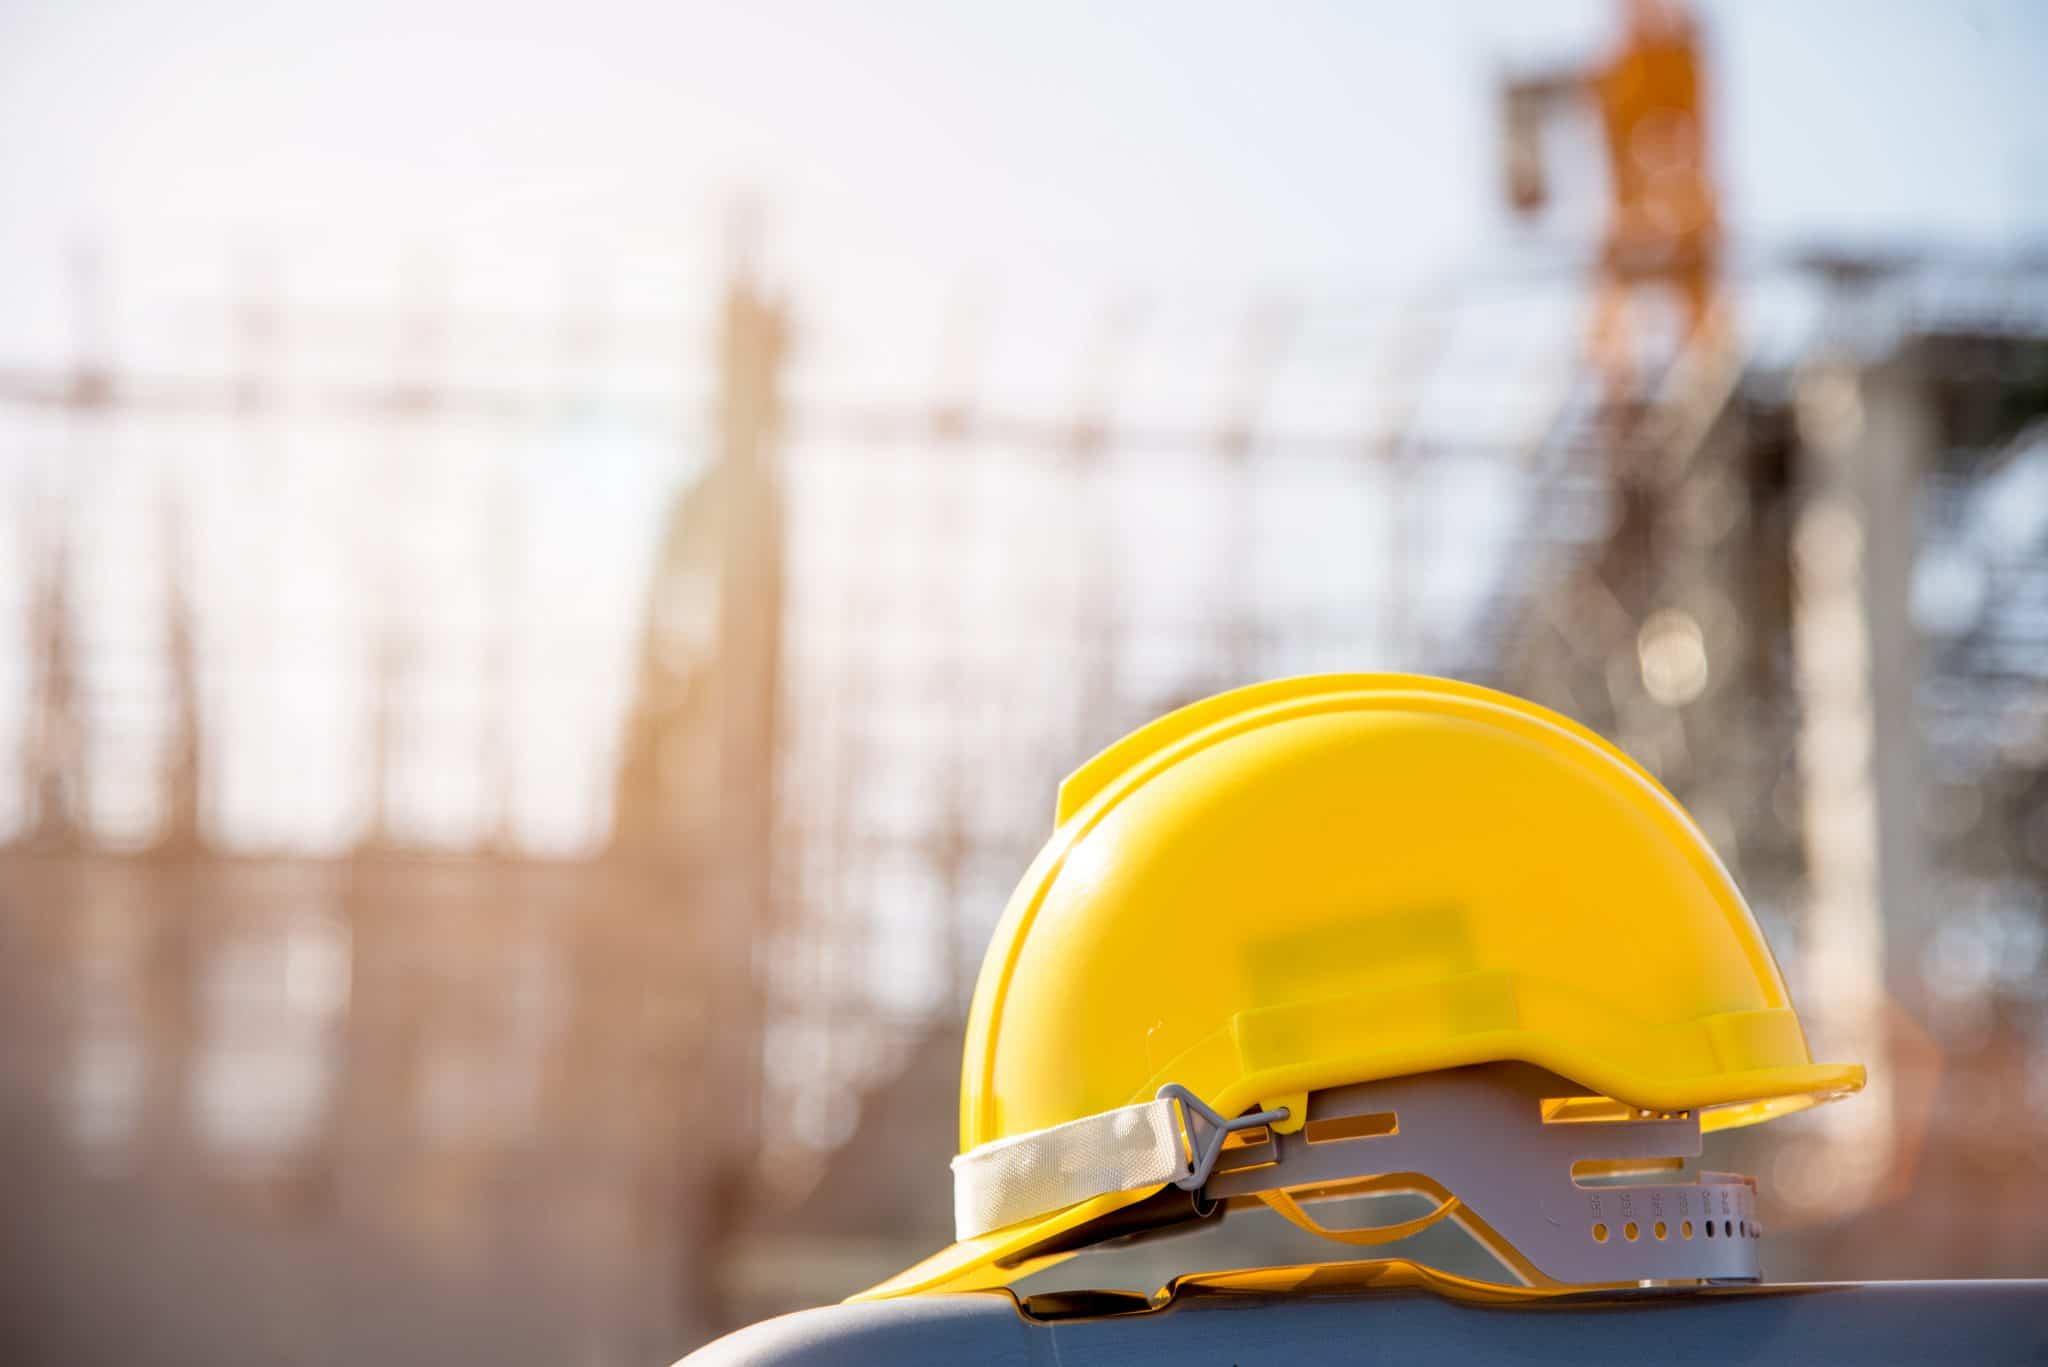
694, 813
750, 598
1865, 436
1898, 445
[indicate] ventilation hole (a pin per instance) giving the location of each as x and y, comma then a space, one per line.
1728, 1228
1629, 1231
1567, 1110
1659, 1230
1685, 1228
1611, 1171
1336, 1129
1599, 1234
1710, 1229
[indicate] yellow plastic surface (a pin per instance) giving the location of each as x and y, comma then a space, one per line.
1377, 1274
1328, 880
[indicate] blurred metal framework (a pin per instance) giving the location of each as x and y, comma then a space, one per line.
873, 638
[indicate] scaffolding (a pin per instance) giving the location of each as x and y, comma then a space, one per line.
465, 771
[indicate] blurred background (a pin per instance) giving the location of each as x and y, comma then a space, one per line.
551, 560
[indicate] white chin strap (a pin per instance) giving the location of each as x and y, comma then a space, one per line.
1172, 1138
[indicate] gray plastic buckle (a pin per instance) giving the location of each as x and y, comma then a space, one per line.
1208, 1130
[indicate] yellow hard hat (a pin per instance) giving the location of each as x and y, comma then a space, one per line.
1330, 880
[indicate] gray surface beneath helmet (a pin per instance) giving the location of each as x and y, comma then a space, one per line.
1988, 1323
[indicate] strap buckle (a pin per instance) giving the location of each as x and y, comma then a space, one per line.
1206, 1131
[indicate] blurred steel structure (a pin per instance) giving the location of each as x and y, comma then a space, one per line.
330, 1023
1766, 654
485, 1043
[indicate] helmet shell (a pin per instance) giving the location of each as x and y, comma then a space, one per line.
1329, 880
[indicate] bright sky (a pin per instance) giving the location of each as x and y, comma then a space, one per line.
1162, 139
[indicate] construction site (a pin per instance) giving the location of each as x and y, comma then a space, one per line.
501, 804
